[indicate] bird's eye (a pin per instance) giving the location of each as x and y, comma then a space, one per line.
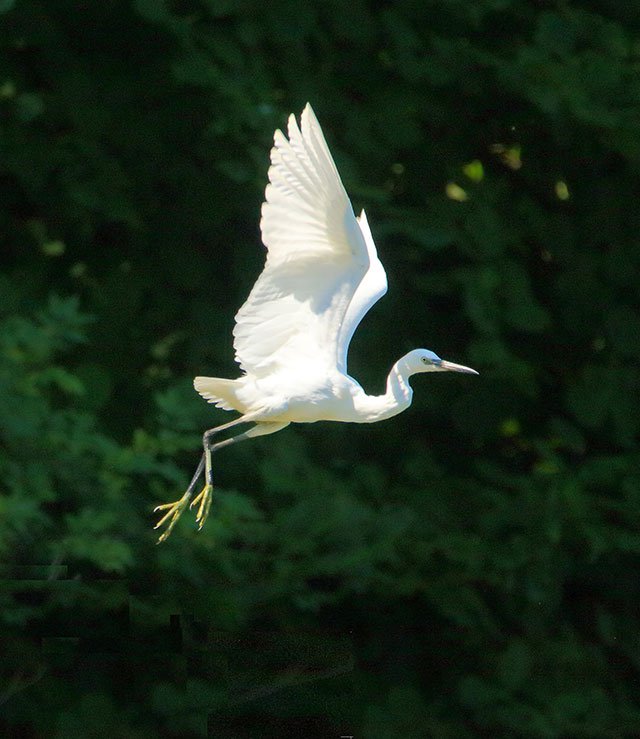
426, 360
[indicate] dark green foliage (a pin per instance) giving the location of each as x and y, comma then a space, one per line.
470, 568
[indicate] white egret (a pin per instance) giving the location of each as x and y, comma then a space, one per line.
322, 274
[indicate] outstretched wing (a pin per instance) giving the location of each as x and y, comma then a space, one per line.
304, 307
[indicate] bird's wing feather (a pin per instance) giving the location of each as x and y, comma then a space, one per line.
372, 287
318, 255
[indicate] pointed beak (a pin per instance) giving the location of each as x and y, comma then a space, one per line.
452, 367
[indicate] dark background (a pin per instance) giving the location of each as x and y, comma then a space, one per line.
469, 568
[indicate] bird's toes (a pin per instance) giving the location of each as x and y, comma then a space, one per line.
163, 507
205, 503
164, 519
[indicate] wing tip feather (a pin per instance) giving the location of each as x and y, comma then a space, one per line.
292, 127
308, 113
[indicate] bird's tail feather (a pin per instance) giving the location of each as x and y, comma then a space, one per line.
221, 391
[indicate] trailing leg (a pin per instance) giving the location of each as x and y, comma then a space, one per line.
175, 510
206, 494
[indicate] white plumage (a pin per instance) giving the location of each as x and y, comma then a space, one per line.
291, 338
298, 312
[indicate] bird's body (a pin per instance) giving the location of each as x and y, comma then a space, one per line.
286, 397
289, 397
322, 274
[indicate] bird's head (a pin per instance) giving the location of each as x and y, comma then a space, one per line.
423, 360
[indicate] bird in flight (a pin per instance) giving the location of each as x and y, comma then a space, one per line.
322, 274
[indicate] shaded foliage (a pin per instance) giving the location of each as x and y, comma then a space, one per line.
468, 568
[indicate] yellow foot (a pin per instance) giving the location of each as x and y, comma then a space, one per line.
174, 511
204, 498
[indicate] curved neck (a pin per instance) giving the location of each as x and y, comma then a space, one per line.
397, 398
